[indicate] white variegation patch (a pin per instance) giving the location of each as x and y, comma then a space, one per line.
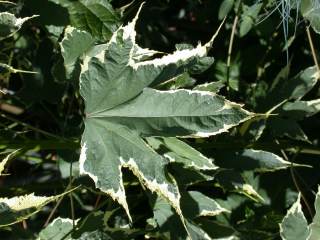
64, 220
181, 55
209, 213
171, 159
203, 167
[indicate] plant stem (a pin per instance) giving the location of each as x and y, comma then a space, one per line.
56, 206
294, 179
42, 144
29, 126
233, 31
314, 55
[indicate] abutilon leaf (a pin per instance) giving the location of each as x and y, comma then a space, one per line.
121, 107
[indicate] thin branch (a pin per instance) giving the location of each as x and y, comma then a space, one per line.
314, 55
57, 205
295, 181
30, 126
234, 25
233, 32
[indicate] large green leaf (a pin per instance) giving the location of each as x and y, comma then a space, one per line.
94, 16
9, 24
120, 109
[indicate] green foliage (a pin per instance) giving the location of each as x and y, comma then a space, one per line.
295, 225
157, 121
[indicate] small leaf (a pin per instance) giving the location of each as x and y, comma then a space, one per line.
58, 229
221, 70
180, 152
250, 159
213, 87
248, 17
195, 204
201, 65
169, 223
217, 230
170, 226
231, 180
9, 24
292, 88
16, 209
310, 10
315, 225
225, 8
294, 225
94, 16
281, 127
299, 110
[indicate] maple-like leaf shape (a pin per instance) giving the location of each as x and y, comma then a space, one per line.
121, 108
